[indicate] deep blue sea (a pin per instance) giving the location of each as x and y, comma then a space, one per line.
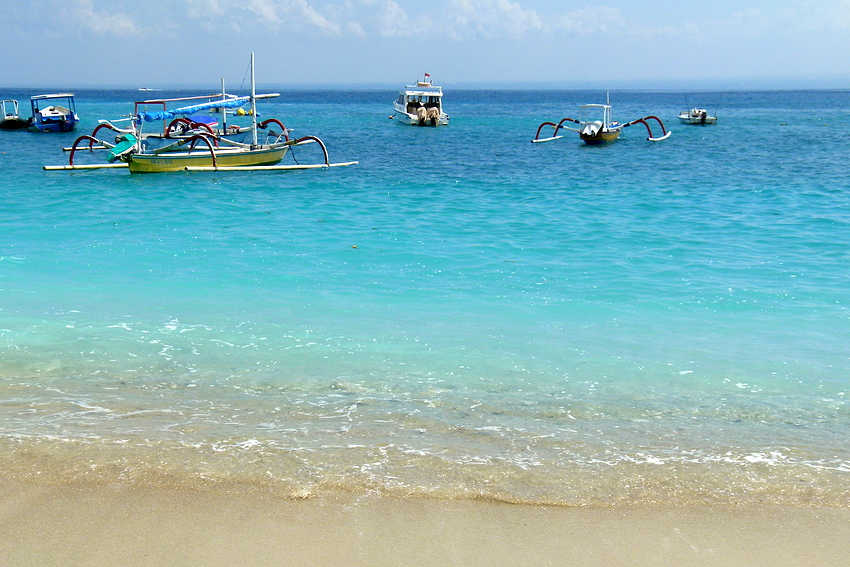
462, 314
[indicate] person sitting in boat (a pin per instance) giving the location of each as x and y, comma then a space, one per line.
412, 106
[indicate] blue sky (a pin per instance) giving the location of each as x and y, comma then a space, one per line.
568, 43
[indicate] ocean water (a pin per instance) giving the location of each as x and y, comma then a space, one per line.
463, 314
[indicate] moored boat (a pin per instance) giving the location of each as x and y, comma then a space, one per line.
420, 104
597, 130
182, 140
10, 119
53, 113
696, 116
596, 127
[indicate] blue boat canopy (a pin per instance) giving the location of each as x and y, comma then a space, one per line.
187, 110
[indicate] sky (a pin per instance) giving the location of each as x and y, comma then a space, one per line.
723, 44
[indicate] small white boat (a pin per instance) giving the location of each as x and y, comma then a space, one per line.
9, 119
696, 116
420, 104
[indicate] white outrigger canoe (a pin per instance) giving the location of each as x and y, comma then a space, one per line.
420, 104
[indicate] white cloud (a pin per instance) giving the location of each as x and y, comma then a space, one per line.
288, 14
110, 22
393, 21
305, 11
265, 10
199, 9
457, 20
751, 17
490, 18
593, 21
379, 18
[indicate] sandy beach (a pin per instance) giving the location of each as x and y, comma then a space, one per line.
96, 525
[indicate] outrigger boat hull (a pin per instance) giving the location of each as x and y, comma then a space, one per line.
179, 161
600, 138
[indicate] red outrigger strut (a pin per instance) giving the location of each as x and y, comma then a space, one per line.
265, 124
315, 139
91, 140
557, 126
648, 129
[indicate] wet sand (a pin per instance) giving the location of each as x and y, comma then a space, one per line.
93, 526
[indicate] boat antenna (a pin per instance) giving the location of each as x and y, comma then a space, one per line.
253, 104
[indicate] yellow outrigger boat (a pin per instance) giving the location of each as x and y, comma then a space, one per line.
196, 145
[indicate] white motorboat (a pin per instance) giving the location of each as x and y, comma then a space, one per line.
421, 104
696, 116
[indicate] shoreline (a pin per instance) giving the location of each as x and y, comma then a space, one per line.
100, 525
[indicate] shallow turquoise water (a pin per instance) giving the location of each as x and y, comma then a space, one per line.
461, 314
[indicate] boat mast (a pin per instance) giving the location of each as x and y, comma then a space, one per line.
253, 104
223, 109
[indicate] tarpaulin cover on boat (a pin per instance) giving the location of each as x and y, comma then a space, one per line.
187, 110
